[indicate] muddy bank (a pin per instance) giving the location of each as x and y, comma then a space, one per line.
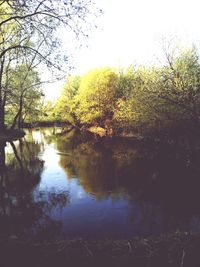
176, 133
109, 132
181, 249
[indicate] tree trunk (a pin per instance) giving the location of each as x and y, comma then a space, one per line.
2, 119
14, 121
2, 160
18, 115
2, 99
20, 120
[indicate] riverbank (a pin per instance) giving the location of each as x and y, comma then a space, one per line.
167, 133
44, 124
180, 249
179, 131
11, 135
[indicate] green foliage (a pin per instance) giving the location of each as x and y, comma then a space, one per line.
96, 96
24, 89
88, 99
136, 98
29, 39
65, 108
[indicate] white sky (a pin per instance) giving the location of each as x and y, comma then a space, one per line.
130, 31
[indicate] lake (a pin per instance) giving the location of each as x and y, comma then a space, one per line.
57, 185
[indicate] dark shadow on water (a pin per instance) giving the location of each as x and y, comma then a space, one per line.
160, 180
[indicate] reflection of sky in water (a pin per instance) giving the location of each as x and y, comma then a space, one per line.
90, 211
53, 175
37, 136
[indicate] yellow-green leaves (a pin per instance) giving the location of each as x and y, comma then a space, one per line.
96, 95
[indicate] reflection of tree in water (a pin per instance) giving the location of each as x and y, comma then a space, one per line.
162, 179
44, 226
23, 213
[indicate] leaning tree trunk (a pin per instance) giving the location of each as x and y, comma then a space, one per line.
20, 120
18, 115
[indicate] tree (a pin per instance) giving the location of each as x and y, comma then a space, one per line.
161, 97
96, 95
65, 108
29, 31
181, 84
25, 90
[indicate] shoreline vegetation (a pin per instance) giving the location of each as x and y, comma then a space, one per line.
187, 132
136, 102
133, 102
174, 131
155, 102
173, 250
165, 135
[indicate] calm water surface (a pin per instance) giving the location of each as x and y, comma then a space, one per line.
57, 185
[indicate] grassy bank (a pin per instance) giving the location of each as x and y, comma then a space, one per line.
180, 249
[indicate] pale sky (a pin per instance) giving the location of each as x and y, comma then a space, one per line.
130, 32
